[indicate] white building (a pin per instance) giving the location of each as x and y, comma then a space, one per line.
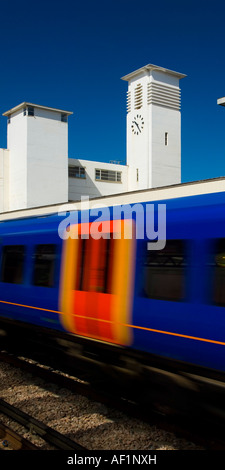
35, 169
36, 162
95, 179
153, 127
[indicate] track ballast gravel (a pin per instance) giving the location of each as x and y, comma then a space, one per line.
91, 424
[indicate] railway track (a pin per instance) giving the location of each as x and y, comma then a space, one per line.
57, 440
11, 440
182, 427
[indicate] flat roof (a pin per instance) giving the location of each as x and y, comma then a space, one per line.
221, 101
150, 67
25, 103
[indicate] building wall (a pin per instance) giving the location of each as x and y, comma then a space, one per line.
47, 158
89, 186
153, 102
165, 118
4, 180
166, 159
1, 181
17, 145
38, 171
137, 143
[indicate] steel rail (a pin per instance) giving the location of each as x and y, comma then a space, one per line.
42, 430
10, 438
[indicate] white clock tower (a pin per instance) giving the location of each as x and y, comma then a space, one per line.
153, 127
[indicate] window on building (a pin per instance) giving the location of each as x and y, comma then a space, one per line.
108, 175
64, 117
77, 172
137, 175
29, 111
13, 257
44, 265
166, 138
218, 264
164, 272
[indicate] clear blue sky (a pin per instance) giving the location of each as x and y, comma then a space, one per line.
72, 54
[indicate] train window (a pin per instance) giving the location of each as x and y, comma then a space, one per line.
94, 265
164, 272
44, 263
219, 273
12, 264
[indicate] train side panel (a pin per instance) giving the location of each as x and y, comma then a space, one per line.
168, 303
29, 250
179, 310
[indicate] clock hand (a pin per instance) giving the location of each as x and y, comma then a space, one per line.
137, 125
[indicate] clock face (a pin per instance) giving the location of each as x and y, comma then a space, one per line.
137, 124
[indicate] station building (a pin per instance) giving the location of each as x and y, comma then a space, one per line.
36, 170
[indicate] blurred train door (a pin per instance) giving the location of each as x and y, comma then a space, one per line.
97, 279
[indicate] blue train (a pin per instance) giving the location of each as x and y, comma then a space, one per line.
167, 305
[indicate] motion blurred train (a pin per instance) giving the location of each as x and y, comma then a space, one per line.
115, 298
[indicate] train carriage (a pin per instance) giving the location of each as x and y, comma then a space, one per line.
166, 304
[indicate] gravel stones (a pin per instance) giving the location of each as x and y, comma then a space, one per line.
91, 424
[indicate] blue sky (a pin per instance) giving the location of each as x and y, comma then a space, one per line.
72, 55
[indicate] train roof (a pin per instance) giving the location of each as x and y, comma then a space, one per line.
183, 190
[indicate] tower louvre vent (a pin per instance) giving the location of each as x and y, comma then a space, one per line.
138, 97
128, 101
162, 95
